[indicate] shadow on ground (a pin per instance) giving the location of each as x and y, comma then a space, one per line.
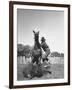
57, 71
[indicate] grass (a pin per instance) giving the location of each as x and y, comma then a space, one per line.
56, 69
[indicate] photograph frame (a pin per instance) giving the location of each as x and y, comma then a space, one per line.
11, 36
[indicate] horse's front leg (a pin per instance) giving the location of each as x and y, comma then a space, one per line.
32, 60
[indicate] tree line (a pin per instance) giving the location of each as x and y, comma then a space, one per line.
57, 54
25, 50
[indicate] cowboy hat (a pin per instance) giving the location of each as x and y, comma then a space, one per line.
43, 39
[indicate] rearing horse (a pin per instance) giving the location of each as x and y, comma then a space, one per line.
36, 52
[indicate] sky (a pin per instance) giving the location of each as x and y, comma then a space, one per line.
50, 25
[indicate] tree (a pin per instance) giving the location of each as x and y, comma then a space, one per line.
23, 50
20, 50
55, 54
62, 54
27, 51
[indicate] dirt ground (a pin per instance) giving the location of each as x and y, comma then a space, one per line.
57, 72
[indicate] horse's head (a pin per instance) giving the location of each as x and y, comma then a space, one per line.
36, 35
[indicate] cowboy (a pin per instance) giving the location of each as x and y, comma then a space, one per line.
46, 49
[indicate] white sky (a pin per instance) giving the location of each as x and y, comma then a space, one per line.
49, 23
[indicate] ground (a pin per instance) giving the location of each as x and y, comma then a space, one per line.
57, 72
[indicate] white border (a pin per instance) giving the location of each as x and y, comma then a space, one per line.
29, 82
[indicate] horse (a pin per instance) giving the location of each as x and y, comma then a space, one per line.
36, 52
